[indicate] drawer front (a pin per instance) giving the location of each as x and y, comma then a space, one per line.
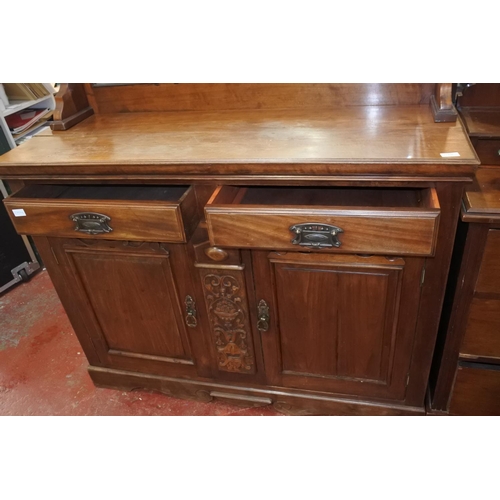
488, 151
482, 335
146, 220
350, 230
476, 390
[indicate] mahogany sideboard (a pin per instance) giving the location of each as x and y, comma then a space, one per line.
466, 373
260, 244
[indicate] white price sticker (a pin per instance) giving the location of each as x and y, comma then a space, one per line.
19, 212
448, 155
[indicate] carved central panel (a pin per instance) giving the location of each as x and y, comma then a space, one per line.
227, 308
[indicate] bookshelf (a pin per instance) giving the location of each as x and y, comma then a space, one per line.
15, 106
18, 260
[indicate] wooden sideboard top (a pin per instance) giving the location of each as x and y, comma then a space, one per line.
391, 138
482, 198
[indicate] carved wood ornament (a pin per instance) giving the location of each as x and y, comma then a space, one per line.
228, 313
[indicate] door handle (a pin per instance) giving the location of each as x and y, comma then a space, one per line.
262, 316
316, 235
91, 223
191, 320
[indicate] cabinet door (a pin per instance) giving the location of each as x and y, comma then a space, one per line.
342, 324
128, 299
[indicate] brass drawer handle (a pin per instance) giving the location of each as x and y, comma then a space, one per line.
191, 320
315, 235
91, 223
263, 316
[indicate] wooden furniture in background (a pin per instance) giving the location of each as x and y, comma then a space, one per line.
263, 244
466, 372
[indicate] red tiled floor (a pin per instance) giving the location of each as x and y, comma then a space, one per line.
43, 370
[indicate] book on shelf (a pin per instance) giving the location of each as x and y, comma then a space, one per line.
22, 120
39, 123
25, 91
38, 89
38, 129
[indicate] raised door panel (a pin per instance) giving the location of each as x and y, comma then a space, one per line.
488, 281
349, 314
482, 334
476, 390
339, 324
130, 303
128, 295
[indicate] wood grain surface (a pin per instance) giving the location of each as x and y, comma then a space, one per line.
224, 96
342, 324
394, 223
358, 134
139, 213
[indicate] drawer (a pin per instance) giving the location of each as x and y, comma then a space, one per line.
121, 212
488, 151
332, 219
476, 390
488, 280
482, 334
